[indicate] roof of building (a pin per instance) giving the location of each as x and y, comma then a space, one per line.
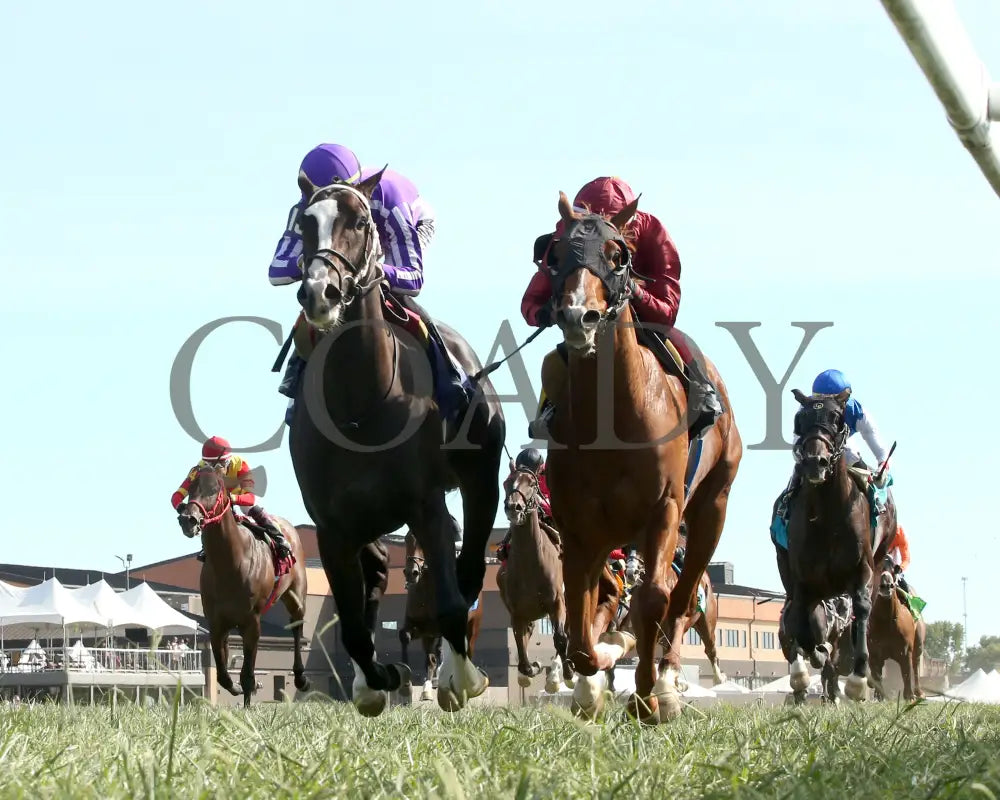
737, 590
73, 578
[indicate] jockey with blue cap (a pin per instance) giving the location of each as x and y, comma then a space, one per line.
405, 223
859, 421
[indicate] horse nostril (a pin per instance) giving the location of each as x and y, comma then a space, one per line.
591, 318
331, 293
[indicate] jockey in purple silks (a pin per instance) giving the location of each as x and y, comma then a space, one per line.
405, 223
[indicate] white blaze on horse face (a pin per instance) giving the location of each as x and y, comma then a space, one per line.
325, 212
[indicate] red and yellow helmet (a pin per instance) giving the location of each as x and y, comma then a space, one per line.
215, 448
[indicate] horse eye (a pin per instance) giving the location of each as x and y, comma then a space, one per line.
361, 224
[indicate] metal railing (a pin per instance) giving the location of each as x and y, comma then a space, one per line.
95, 659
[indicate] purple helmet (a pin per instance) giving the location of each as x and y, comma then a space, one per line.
329, 163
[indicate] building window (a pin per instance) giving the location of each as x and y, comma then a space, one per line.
692, 637
756, 639
732, 637
743, 638
768, 639
544, 626
718, 637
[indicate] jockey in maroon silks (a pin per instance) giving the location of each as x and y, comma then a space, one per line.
656, 300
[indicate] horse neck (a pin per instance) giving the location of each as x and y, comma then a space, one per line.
528, 535
225, 544
834, 495
629, 379
366, 353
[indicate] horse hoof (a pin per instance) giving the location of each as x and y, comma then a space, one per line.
427, 693
588, 695
523, 680
665, 694
798, 676
235, 691
646, 711
371, 703
551, 684
681, 683
856, 688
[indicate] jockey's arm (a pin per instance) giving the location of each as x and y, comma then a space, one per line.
659, 297
182, 491
403, 266
284, 267
536, 297
869, 432
243, 494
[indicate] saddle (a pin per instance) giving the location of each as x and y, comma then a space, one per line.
878, 499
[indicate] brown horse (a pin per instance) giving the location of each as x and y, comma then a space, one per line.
421, 620
703, 622
372, 449
893, 634
617, 471
238, 581
531, 579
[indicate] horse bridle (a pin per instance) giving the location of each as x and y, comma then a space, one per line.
332, 257
219, 509
616, 281
835, 438
530, 503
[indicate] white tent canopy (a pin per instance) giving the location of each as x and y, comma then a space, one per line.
979, 687
117, 614
155, 613
50, 608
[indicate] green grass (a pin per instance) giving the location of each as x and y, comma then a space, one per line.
325, 749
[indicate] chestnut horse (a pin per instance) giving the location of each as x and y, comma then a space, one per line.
616, 471
420, 617
703, 622
895, 635
238, 579
830, 542
372, 451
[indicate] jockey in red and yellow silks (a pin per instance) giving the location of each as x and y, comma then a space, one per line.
238, 480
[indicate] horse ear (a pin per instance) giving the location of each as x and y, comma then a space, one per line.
566, 209
367, 186
800, 397
624, 217
306, 186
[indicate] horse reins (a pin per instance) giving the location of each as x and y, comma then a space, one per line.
210, 517
529, 503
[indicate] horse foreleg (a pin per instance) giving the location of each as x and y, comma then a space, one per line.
250, 632
916, 653
430, 667
560, 640
459, 680
862, 605
580, 576
344, 574
220, 651
526, 669
480, 498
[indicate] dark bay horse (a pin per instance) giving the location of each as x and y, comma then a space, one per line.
617, 469
832, 618
894, 635
370, 449
531, 579
703, 622
238, 579
830, 543
420, 619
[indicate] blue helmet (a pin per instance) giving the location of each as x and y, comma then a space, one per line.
831, 381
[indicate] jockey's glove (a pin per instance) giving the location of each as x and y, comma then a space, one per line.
544, 316
880, 482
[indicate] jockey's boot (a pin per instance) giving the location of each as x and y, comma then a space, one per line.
538, 428
453, 389
704, 406
201, 556
261, 517
291, 382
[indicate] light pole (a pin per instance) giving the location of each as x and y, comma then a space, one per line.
127, 562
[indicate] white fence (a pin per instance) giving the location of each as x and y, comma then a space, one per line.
94, 659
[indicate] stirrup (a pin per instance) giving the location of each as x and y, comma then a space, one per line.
538, 428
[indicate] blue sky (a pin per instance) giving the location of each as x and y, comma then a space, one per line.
795, 152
